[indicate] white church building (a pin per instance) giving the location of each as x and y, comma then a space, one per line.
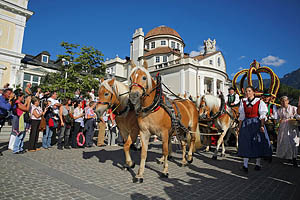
163, 49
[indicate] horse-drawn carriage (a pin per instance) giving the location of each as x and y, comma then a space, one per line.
142, 109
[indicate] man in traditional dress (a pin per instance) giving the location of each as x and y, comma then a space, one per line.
271, 118
232, 98
232, 101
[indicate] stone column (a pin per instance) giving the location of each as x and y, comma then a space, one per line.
182, 82
201, 83
222, 87
214, 86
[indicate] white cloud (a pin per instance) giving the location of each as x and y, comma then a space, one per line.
242, 57
194, 53
272, 60
199, 51
241, 68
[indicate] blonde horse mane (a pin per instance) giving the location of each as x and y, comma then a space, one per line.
212, 101
118, 88
149, 78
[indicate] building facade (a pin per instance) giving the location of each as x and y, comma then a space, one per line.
13, 17
33, 68
163, 49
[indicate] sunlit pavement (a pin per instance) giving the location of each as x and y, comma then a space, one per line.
96, 173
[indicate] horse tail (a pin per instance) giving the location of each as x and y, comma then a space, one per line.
198, 143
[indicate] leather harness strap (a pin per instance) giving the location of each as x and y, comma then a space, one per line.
160, 100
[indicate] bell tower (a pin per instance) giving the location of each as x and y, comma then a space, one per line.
137, 46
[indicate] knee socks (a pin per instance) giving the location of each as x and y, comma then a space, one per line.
246, 162
257, 162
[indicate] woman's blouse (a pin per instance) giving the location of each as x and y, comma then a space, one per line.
288, 113
89, 112
65, 111
38, 110
19, 111
77, 112
262, 108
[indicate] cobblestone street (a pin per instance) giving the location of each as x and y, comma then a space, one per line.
96, 173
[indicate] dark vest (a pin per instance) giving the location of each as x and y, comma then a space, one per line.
231, 99
251, 111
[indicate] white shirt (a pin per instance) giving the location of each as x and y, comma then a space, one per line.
38, 111
78, 112
262, 109
236, 99
274, 112
53, 102
92, 96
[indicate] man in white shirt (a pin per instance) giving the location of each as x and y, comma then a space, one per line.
54, 102
92, 95
233, 99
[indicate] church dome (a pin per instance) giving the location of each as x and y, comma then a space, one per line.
162, 30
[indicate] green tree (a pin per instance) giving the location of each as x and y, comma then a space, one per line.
81, 68
290, 92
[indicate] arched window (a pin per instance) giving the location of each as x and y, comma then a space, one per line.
219, 61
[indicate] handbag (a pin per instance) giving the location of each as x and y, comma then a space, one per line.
27, 118
42, 126
52, 123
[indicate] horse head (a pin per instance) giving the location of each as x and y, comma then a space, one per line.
107, 96
141, 83
204, 110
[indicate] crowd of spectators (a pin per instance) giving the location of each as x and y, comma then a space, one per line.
66, 123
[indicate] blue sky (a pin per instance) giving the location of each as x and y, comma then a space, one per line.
265, 30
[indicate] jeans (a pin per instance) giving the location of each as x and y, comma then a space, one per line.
19, 142
64, 133
47, 138
112, 135
77, 128
90, 129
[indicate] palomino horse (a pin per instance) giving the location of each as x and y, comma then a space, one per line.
113, 94
154, 117
213, 109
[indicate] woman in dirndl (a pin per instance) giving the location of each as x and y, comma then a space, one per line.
253, 138
288, 133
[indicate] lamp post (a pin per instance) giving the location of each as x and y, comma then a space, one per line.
64, 63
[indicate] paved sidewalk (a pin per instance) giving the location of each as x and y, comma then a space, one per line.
96, 173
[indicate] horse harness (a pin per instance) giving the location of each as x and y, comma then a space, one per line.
114, 107
160, 100
222, 111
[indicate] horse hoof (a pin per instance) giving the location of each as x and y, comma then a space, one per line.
190, 161
159, 162
133, 165
141, 180
165, 175
170, 158
214, 157
223, 155
125, 167
134, 180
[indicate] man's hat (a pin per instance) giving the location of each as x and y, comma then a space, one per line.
231, 88
267, 95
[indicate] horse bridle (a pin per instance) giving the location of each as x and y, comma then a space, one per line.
158, 94
140, 86
110, 103
217, 114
